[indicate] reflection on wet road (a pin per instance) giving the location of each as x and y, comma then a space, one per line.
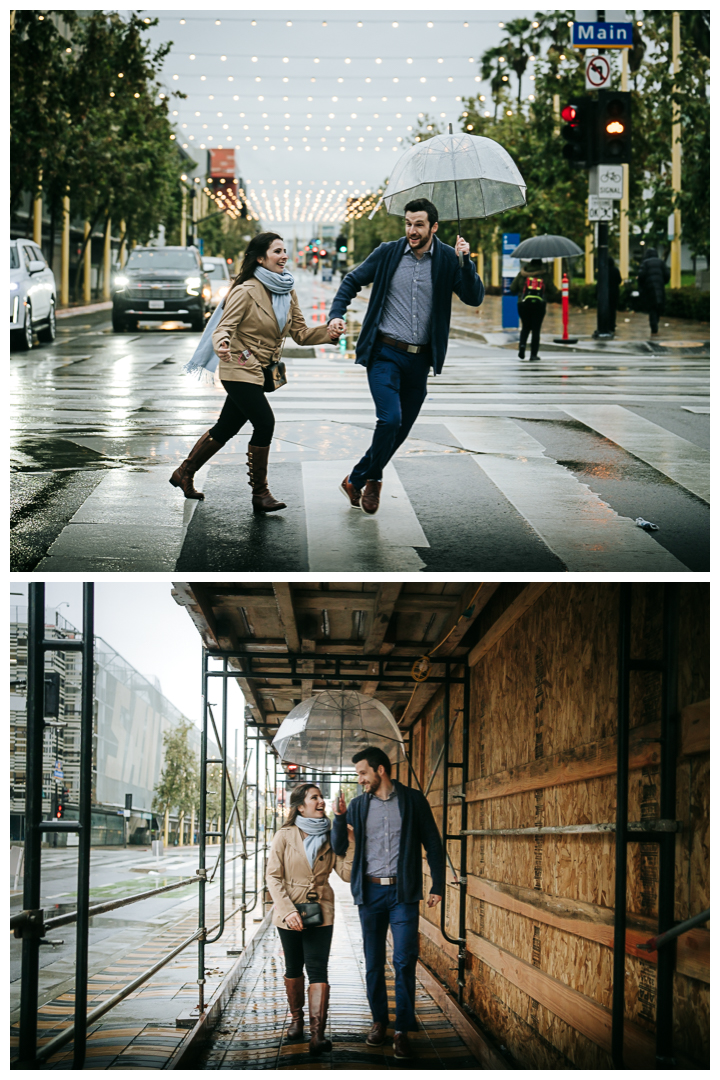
511, 466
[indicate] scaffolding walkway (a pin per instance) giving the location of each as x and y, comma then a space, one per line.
249, 1034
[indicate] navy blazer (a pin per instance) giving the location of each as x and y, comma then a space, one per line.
417, 828
379, 267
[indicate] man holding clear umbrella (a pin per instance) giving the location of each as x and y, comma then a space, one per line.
404, 333
390, 824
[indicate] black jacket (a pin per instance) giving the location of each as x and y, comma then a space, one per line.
518, 284
652, 278
418, 828
379, 267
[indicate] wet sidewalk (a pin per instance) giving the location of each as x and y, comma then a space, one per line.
250, 1032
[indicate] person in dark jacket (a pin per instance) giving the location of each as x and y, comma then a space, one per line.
653, 276
390, 823
614, 283
404, 333
531, 286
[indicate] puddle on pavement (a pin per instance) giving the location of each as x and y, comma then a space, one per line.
56, 455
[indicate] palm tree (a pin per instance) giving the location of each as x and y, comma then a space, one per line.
491, 69
521, 41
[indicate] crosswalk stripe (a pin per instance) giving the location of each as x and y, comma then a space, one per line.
681, 460
581, 529
342, 538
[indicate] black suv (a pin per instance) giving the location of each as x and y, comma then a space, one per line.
161, 283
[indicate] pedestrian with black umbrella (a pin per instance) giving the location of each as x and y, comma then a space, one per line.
653, 276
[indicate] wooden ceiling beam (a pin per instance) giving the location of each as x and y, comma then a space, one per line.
286, 611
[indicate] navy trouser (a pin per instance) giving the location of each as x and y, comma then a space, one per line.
398, 384
380, 910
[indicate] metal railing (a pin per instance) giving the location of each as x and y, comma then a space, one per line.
31, 925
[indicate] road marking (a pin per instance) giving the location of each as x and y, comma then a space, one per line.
131, 521
678, 458
342, 538
581, 529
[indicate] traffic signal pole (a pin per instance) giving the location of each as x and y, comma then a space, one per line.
603, 291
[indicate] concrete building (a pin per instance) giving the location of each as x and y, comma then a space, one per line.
130, 716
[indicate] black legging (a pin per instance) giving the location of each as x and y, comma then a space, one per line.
309, 948
245, 401
532, 313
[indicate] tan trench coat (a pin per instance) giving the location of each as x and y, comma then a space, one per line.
289, 877
248, 320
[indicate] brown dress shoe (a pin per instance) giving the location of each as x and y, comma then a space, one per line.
376, 1035
370, 498
401, 1046
352, 492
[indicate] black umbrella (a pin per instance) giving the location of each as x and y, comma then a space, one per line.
547, 247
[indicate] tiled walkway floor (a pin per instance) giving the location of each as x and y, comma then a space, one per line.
250, 1032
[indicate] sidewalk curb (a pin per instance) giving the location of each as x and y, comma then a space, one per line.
632, 348
219, 1000
88, 309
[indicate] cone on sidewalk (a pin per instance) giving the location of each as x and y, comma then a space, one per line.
565, 340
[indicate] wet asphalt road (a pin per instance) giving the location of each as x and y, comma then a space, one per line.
512, 466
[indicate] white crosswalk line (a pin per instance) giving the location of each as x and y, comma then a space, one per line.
581, 529
342, 538
681, 460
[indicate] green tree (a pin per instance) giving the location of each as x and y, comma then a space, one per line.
178, 786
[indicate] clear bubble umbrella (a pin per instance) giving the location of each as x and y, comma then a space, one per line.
463, 175
325, 731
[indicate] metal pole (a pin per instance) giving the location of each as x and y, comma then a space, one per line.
463, 826
234, 891
675, 245
202, 829
223, 808
85, 819
33, 817
603, 290
623, 749
666, 883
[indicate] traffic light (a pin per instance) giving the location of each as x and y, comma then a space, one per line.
59, 809
578, 132
51, 706
613, 127
323, 253
341, 243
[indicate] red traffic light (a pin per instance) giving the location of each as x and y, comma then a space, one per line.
59, 811
569, 113
292, 768
323, 253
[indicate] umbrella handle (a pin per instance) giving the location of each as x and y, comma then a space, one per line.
461, 259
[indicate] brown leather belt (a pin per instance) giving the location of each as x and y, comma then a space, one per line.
381, 880
404, 346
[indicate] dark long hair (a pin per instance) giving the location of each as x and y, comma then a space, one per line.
297, 798
255, 250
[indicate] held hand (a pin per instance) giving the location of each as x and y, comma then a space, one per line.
294, 921
223, 350
433, 899
462, 247
336, 328
339, 804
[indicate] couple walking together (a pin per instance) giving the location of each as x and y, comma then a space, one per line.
375, 844
404, 334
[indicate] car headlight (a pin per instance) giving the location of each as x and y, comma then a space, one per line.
121, 281
223, 291
193, 285
13, 286
207, 292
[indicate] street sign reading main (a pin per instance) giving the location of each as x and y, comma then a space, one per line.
604, 35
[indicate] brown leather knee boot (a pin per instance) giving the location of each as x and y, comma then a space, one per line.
262, 501
318, 999
201, 452
295, 990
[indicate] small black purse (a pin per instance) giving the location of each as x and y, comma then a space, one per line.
311, 912
274, 374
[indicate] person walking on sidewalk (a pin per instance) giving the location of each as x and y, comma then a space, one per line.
653, 276
299, 864
404, 333
260, 309
390, 823
531, 286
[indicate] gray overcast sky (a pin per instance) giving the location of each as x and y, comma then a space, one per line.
339, 94
142, 622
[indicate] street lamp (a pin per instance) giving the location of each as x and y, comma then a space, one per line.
63, 603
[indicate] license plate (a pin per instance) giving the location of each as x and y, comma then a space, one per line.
158, 305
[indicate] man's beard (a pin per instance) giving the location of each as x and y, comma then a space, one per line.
374, 784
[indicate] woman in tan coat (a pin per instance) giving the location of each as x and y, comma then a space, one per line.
300, 861
259, 311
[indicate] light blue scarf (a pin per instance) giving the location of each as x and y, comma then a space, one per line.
205, 360
280, 285
317, 830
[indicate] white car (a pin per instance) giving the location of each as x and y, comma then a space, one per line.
32, 295
217, 270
